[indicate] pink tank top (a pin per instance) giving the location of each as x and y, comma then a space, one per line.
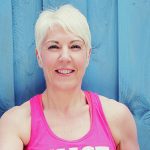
98, 137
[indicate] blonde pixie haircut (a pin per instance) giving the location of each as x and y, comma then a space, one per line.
69, 18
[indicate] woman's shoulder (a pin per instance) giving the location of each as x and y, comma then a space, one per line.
114, 109
17, 121
118, 116
17, 112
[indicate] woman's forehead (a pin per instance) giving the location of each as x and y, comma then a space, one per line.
57, 33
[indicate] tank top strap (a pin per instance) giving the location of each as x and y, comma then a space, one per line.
97, 106
35, 103
92, 98
96, 102
35, 116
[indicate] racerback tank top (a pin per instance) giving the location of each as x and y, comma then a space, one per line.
98, 137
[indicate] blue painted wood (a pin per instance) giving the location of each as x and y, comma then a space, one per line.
28, 78
134, 63
6, 57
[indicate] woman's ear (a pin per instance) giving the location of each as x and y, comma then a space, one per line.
39, 59
89, 53
88, 57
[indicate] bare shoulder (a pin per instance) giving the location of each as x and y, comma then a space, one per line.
116, 114
23, 109
118, 110
121, 123
16, 114
16, 121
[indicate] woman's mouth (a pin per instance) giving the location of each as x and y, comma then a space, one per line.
64, 71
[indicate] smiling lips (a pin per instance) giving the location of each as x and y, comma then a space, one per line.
64, 71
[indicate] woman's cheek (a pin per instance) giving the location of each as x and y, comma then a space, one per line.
82, 63
48, 59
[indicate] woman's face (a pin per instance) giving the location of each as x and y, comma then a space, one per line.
63, 58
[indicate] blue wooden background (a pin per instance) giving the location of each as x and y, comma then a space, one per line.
119, 66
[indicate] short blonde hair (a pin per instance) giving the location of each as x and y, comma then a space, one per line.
68, 17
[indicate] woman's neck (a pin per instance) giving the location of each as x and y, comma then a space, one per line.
63, 101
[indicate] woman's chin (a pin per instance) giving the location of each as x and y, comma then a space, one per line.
66, 86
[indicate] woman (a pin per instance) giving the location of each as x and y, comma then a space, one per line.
63, 116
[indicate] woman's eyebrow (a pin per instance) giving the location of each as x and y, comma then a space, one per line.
52, 41
76, 41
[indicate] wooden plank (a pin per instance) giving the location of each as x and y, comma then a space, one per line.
6, 57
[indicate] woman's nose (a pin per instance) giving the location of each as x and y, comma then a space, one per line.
65, 55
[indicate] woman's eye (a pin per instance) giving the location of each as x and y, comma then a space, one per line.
53, 47
75, 47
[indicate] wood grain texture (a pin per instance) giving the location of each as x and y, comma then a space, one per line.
134, 63
7, 98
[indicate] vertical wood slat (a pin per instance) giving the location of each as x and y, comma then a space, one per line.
134, 63
6, 57
28, 77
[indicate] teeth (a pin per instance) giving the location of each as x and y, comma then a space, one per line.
64, 71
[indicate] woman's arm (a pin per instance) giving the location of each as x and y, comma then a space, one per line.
10, 130
128, 132
121, 123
